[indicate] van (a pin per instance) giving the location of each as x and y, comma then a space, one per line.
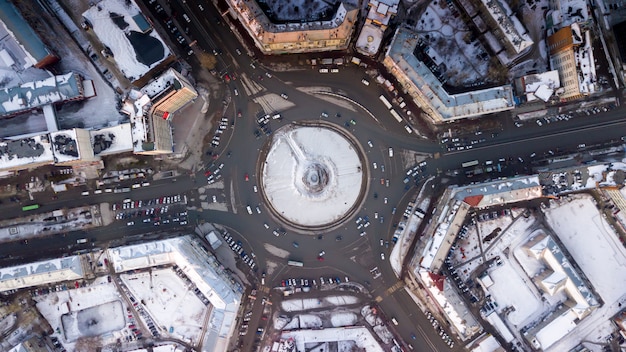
82, 240
390, 152
323, 70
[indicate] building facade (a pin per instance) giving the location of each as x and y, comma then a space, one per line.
295, 37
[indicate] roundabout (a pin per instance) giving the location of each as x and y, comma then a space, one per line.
313, 176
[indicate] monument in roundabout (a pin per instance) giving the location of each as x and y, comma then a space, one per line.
313, 176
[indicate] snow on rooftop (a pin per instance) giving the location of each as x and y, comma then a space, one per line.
26, 151
112, 140
169, 300
107, 18
345, 339
546, 81
65, 145
369, 39
591, 242
502, 192
29, 95
312, 175
510, 26
159, 84
556, 329
40, 273
567, 12
447, 106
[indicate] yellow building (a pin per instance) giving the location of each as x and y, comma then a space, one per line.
169, 93
300, 37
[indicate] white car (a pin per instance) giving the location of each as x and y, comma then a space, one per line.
382, 256
255, 189
375, 165
258, 209
284, 96
370, 144
366, 82
130, 223
249, 209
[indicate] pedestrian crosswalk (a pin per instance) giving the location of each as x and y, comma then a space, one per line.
389, 291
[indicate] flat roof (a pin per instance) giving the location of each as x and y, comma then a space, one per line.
55, 89
39, 273
22, 32
26, 151
513, 30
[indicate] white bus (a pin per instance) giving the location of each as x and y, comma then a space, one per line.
396, 115
295, 263
385, 101
470, 163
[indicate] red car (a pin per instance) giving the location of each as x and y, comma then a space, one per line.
246, 177
320, 258
207, 173
227, 78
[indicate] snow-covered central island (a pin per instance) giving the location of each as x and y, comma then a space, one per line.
313, 177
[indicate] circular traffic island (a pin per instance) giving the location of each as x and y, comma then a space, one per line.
313, 176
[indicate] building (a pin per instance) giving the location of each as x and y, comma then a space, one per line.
295, 37
505, 26
378, 17
201, 267
564, 13
571, 54
559, 275
169, 93
54, 90
41, 273
25, 48
540, 86
427, 90
26, 153
72, 147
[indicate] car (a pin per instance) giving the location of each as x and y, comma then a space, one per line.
539, 123
186, 18
582, 145
365, 82
324, 115
338, 238
370, 144
386, 200
320, 258
382, 243
269, 75
258, 209
375, 165
130, 223
390, 152
284, 96
246, 177
322, 253
353, 122
295, 244
236, 92
382, 256
394, 321
255, 189
249, 209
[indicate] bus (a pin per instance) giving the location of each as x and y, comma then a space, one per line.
30, 207
470, 163
295, 263
396, 115
385, 101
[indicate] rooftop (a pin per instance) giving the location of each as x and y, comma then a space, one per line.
26, 151
513, 30
40, 273
30, 95
448, 106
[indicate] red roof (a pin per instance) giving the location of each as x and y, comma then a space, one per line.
438, 280
473, 200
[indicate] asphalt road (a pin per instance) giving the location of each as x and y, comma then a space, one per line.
354, 255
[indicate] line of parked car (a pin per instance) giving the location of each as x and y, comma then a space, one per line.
237, 247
